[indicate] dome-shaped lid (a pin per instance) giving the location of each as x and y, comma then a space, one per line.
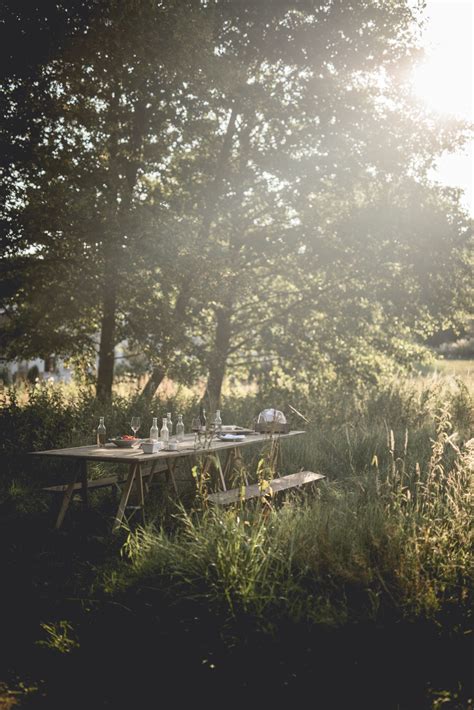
271, 415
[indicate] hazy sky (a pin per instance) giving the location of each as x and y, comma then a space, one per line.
445, 80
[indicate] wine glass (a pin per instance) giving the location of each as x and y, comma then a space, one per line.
196, 428
196, 425
135, 425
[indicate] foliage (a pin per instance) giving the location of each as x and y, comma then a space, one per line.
59, 636
231, 187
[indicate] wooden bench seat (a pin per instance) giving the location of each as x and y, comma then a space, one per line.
253, 491
103, 482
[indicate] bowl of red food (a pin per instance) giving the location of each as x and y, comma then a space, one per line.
125, 442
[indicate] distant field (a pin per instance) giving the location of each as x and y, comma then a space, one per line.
461, 368
169, 389
444, 371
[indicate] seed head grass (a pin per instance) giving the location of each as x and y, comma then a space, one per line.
388, 534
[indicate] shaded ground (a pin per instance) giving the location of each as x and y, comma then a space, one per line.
131, 651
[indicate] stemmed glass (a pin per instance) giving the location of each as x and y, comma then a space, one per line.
135, 425
196, 428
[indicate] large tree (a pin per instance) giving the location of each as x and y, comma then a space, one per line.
82, 246
326, 144
225, 182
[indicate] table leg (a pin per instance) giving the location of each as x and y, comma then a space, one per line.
141, 497
83, 479
151, 476
275, 455
206, 466
65, 501
228, 463
239, 461
221, 472
280, 456
171, 468
125, 496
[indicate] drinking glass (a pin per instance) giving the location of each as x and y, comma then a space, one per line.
196, 428
135, 425
196, 425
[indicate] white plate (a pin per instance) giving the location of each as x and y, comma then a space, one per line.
231, 437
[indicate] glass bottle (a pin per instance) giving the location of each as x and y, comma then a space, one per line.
154, 431
164, 433
101, 433
180, 428
202, 418
170, 423
218, 420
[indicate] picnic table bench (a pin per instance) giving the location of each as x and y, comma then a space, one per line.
142, 469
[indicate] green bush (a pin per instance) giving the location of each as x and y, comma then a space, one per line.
44, 416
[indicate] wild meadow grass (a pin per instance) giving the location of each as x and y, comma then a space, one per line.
378, 550
386, 535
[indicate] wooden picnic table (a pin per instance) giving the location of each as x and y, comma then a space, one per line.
143, 467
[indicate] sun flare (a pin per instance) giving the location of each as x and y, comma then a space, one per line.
438, 82
444, 80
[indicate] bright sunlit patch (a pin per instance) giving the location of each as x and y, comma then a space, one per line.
444, 79
440, 85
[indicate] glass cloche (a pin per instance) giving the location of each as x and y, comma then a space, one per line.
271, 420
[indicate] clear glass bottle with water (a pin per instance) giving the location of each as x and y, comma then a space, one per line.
180, 428
101, 433
202, 418
165, 433
218, 420
170, 423
154, 431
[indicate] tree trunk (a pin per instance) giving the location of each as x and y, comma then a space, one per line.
218, 359
105, 374
156, 378
186, 290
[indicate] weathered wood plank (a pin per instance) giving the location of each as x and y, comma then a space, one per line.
96, 483
185, 448
253, 491
102, 482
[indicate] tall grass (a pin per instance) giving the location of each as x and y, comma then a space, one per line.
392, 538
387, 532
